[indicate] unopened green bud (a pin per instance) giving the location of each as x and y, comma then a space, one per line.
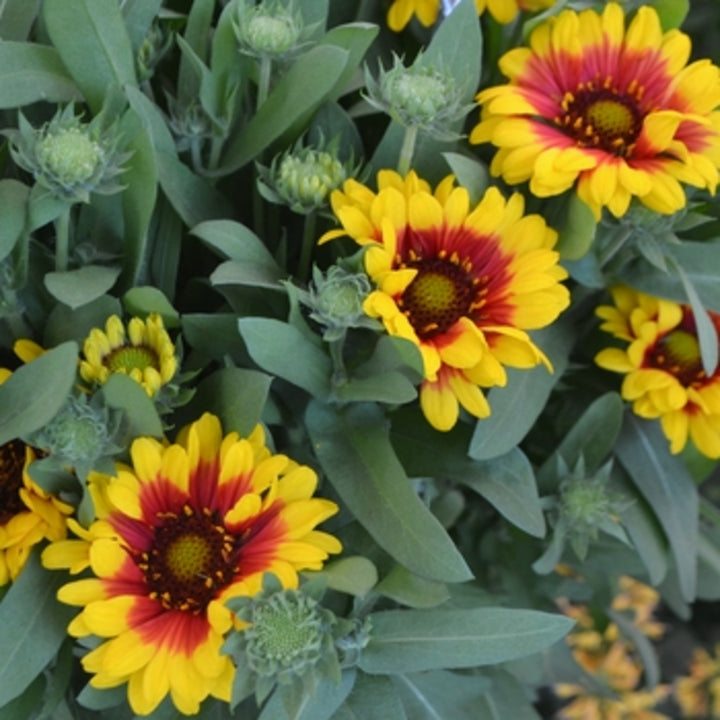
335, 300
303, 178
68, 157
269, 29
156, 43
422, 96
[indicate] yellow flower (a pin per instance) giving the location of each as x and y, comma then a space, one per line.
615, 111
504, 11
28, 514
186, 527
462, 283
664, 376
143, 351
698, 694
642, 600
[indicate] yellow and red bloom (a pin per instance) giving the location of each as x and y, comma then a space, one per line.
143, 351
186, 527
462, 283
504, 11
664, 375
616, 111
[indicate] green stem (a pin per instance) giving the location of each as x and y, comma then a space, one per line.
264, 74
62, 240
308, 245
407, 150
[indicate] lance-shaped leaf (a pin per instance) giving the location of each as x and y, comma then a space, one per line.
354, 450
406, 641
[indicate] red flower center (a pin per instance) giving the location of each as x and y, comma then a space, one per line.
440, 294
678, 353
598, 115
192, 557
12, 461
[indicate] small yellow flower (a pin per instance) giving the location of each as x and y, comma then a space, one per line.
664, 375
143, 351
698, 694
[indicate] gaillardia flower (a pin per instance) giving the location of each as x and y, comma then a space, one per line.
185, 528
664, 375
461, 283
28, 514
143, 351
616, 111
504, 11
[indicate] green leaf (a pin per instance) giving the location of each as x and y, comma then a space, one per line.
17, 18
373, 697
14, 198
354, 450
197, 34
508, 483
283, 350
298, 93
138, 199
26, 704
667, 486
592, 436
30, 73
34, 393
100, 55
515, 407
354, 575
415, 640
672, 13
64, 323
235, 241
214, 335
79, 287
34, 626
236, 395
441, 695
409, 589
321, 705
124, 393
143, 300
578, 232
505, 698
192, 197
139, 16
470, 173
355, 38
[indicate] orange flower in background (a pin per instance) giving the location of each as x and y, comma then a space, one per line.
615, 112
698, 694
427, 11
182, 530
664, 376
462, 283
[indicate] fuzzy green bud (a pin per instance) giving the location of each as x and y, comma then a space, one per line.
335, 300
423, 96
269, 29
69, 155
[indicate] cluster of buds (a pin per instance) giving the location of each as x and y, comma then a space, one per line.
421, 96
70, 158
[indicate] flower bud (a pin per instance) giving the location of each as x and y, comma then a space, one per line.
422, 96
269, 29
